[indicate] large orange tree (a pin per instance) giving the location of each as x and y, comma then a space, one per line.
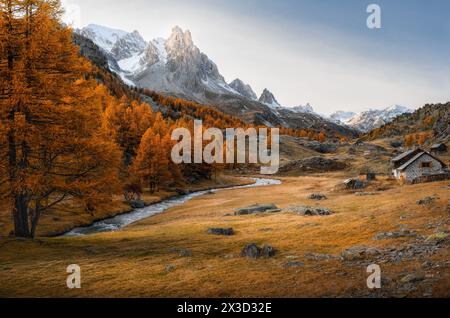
52, 146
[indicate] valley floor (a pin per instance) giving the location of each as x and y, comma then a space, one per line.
171, 255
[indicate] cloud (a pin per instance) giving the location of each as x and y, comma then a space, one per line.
72, 15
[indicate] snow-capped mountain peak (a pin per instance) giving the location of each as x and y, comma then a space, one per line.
103, 36
342, 116
371, 119
268, 99
243, 89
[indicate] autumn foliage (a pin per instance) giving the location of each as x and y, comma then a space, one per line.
73, 132
53, 147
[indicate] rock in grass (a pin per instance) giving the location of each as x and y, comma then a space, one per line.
317, 196
257, 208
426, 201
182, 252
293, 264
254, 251
170, 268
309, 211
412, 278
221, 231
268, 251
394, 235
251, 251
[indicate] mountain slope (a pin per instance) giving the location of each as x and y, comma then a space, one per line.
433, 118
176, 67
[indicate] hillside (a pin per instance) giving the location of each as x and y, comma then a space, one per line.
432, 120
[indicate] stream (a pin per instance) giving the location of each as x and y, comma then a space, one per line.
120, 221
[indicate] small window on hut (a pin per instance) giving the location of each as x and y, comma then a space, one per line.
426, 165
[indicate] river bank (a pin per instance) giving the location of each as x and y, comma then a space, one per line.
66, 217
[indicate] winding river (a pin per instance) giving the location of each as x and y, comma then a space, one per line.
120, 221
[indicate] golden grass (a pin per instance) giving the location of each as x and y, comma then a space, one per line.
132, 262
65, 217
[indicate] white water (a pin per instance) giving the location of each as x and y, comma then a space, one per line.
120, 221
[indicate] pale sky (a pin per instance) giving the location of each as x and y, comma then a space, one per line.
304, 51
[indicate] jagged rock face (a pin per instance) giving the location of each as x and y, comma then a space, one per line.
268, 99
243, 89
150, 57
304, 109
128, 45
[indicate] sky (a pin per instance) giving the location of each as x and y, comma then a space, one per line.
304, 51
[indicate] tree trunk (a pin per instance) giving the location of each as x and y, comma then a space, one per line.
21, 227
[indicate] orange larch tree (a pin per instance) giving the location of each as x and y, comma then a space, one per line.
53, 148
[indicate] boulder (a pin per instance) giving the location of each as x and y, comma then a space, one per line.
254, 251
137, 204
221, 231
251, 251
268, 251
257, 208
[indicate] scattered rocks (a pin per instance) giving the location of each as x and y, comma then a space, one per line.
293, 264
359, 253
309, 211
437, 238
320, 257
182, 252
254, 251
364, 194
257, 208
412, 278
221, 231
317, 196
427, 201
171, 268
394, 235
